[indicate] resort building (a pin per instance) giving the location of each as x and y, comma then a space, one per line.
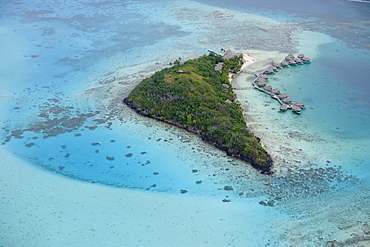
229, 54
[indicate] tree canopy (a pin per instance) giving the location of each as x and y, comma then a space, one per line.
196, 97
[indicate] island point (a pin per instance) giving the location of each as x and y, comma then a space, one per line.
197, 96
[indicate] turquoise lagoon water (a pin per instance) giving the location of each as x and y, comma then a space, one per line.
335, 101
67, 66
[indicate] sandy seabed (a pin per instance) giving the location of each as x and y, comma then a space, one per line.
42, 208
49, 210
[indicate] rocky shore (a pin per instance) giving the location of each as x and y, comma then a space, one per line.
264, 168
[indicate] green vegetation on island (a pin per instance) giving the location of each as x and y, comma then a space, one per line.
200, 99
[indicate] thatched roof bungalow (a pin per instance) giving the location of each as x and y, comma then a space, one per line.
284, 64
229, 54
301, 56
283, 96
268, 88
306, 60
261, 83
287, 100
265, 77
276, 65
297, 60
269, 70
260, 79
275, 91
296, 109
292, 62
289, 57
219, 66
300, 104
283, 107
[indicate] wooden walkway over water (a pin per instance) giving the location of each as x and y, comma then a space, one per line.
243, 88
251, 72
274, 93
215, 52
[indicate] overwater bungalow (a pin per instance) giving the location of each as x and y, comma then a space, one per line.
259, 80
261, 83
306, 60
297, 60
300, 104
289, 57
275, 91
283, 107
268, 88
296, 109
269, 70
276, 65
283, 96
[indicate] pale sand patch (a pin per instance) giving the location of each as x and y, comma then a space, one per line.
259, 61
42, 209
248, 60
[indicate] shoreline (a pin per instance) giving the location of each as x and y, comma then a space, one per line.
264, 170
264, 167
92, 68
248, 60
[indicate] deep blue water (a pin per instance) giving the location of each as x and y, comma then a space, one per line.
324, 9
345, 20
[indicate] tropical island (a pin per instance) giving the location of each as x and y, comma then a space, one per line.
197, 96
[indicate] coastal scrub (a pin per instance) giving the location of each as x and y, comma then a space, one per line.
200, 99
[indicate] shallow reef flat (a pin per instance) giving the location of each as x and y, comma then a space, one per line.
79, 168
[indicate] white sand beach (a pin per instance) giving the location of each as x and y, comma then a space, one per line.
248, 60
